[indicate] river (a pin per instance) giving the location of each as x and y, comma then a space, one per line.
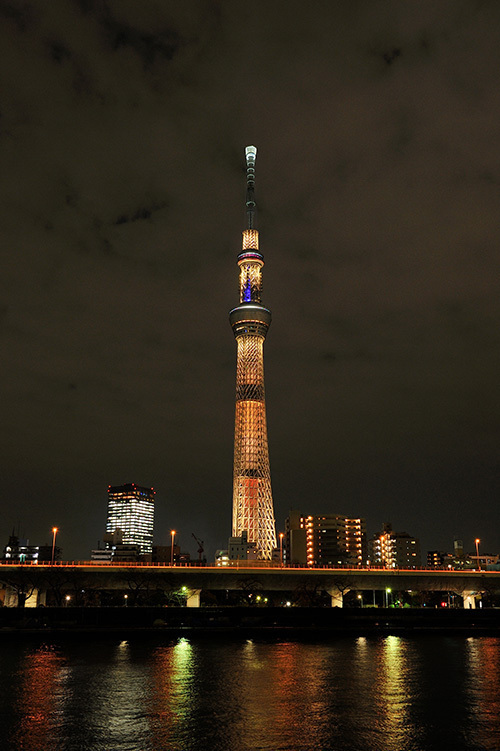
152, 693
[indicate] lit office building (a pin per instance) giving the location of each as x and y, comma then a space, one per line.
325, 540
131, 510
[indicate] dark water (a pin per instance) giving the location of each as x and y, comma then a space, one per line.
352, 694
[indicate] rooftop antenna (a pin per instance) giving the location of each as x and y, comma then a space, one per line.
250, 154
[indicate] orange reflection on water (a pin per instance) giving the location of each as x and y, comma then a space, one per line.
484, 689
284, 694
38, 700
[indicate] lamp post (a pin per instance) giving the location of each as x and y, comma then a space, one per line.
54, 533
477, 552
360, 598
387, 593
172, 533
281, 548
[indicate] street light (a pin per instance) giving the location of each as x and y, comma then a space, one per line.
477, 552
360, 598
387, 593
281, 548
125, 597
54, 533
172, 533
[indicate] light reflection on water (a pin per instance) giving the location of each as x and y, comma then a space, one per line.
40, 699
380, 694
172, 695
483, 680
395, 687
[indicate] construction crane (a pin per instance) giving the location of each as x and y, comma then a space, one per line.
200, 546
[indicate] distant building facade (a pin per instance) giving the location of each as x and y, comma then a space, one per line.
19, 550
437, 558
394, 549
459, 559
131, 510
163, 554
325, 540
240, 549
221, 557
116, 551
484, 560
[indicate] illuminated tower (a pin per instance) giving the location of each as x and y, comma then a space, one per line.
252, 496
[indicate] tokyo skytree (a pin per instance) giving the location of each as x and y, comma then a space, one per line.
252, 496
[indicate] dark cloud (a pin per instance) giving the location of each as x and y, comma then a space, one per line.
141, 213
122, 135
59, 52
148, 47
18, 13
391, 55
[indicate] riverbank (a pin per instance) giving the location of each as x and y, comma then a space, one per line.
248, 621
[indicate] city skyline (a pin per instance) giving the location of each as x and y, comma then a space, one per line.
378, 136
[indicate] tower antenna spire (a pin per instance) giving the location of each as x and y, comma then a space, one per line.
253, 512
250, 155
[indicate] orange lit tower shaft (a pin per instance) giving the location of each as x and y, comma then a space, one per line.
252, 496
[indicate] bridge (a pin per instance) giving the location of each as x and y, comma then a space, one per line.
31, 583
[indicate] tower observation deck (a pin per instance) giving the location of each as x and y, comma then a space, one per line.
252, 496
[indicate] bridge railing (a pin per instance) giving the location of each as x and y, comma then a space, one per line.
234, 565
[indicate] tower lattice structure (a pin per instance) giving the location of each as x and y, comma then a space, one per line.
253, 510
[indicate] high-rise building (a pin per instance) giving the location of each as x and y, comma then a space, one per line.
253, 510
131, 510
394, 549
325, 540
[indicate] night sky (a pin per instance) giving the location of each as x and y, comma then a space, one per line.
123, 126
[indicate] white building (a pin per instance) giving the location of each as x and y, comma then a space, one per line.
131, 510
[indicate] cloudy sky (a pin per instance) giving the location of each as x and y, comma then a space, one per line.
122, 134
